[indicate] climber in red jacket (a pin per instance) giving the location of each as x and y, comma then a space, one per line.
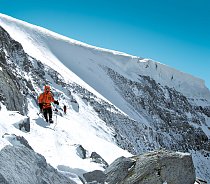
45, 99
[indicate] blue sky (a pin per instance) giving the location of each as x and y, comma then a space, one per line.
173, 32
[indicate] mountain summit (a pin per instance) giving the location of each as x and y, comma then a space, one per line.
117, 104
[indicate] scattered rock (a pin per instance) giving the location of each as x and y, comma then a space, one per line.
98, 159
81, 152
25, 124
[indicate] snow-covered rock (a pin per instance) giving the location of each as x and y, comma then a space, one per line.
17, 140
23, 165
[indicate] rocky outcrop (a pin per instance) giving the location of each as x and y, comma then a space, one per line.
160, 167
11, 89
118, 170
151, 168
23, 165
174, 121
20, 74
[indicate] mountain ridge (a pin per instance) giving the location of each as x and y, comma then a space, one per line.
48, 52
132, 110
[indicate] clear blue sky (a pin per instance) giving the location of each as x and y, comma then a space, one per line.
173, 32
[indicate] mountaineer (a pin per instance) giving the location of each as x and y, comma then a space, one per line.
45, 99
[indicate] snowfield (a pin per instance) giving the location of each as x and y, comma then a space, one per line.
58, 142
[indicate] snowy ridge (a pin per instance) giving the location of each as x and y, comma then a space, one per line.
173, 78
114, 100
66, 54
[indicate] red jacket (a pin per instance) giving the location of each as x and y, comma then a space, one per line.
46, 98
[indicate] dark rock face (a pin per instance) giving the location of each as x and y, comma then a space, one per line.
11, 89
170, 112
206, 111
22, 165
129, 134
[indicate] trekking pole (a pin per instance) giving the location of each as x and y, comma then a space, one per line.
56, 118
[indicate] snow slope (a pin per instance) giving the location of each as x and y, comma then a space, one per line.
58, 142
86, 61
84, 64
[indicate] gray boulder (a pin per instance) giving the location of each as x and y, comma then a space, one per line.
23, 165
118, 170
151, 168
159, 167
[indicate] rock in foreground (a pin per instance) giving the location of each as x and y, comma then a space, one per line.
154, 168
23, 165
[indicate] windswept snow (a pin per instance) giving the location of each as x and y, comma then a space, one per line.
85, 61
58, 142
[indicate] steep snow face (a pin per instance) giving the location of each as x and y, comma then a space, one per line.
87, 61
102, 82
